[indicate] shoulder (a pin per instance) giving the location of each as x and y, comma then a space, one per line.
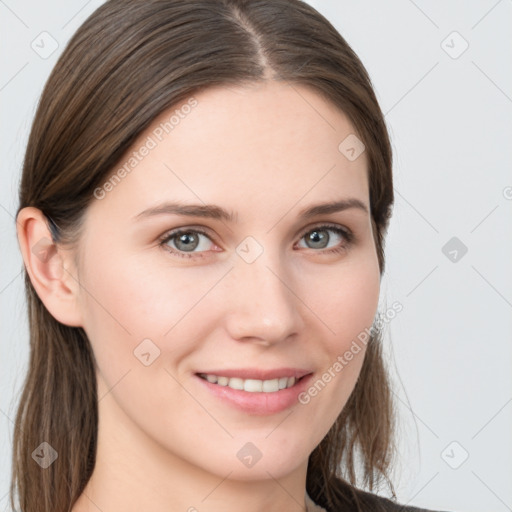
374, 502
363, 501
353, 499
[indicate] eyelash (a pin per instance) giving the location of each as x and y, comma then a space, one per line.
345, 233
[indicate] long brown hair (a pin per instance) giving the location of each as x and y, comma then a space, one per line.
128, 62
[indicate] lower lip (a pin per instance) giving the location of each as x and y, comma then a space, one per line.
258, 403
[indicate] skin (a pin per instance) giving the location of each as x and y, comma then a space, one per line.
265, 152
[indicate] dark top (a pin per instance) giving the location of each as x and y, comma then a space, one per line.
370, 502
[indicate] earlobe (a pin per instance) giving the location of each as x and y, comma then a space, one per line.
49, 267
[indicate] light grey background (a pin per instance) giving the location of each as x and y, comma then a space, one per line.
450, 120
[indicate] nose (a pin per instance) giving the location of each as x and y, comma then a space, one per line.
261, 304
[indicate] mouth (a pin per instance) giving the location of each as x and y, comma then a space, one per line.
252, 385
256, 392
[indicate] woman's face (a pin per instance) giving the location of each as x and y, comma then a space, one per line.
263, 295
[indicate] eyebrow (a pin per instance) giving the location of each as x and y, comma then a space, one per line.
216, 212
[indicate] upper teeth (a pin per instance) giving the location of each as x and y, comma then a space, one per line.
251, 385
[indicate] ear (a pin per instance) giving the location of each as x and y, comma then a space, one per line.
49, 266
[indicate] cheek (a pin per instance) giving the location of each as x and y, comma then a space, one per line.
127, 300
347, 301
346, 305
140, 321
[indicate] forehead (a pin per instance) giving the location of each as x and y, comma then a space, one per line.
247, 147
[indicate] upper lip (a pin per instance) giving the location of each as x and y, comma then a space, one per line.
258, 373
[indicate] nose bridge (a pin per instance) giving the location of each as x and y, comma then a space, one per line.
262, 305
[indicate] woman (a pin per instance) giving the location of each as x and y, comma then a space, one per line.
205, 195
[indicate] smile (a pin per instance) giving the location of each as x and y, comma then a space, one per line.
251, 385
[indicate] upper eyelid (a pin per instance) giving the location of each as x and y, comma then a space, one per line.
320, 224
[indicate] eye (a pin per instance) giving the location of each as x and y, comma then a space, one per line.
185, 241
318, 238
